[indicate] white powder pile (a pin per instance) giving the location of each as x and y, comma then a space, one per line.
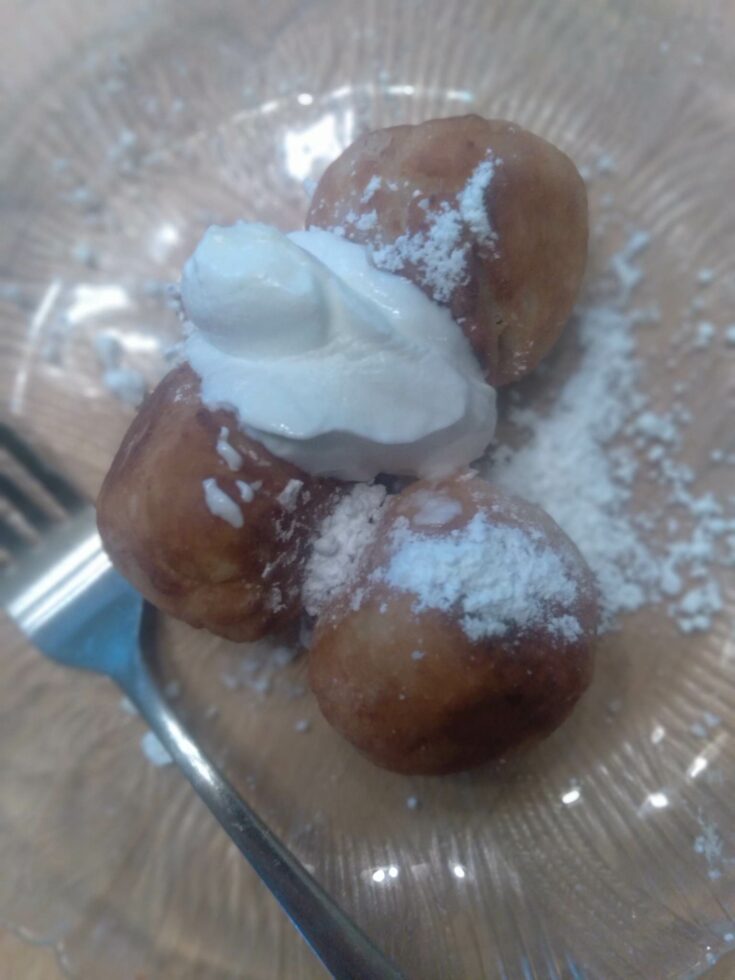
600, 442
341, 540
566, 467
439, 253
497, 579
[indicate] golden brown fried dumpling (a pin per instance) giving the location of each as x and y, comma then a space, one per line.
467, 633
408, 192
214, 537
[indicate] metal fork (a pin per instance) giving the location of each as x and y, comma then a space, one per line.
60, 588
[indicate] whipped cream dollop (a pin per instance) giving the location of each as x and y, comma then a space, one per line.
332, 364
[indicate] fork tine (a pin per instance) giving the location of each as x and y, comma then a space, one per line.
10, 539
31, 512
70, 602
53, 481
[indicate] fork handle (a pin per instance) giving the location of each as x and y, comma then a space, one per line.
341, 946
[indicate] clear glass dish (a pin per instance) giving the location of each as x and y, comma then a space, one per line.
125, 129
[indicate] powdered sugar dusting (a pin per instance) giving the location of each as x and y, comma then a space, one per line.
566, 467
472, 203
367, 220
497, 578
339, 544
439, 252
601, 440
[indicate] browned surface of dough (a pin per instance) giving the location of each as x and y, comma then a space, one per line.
241, 583
518, 296
462, 703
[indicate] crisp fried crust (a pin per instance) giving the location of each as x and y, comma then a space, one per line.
241, 583
456, 703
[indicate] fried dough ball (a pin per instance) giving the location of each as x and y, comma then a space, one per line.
523, 234
468, 631
233, 564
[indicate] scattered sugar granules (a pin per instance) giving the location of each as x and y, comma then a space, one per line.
154, 750
260, 668
704, 335
601, 438
709, 845
566, 468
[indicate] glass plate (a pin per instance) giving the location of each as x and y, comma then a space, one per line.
125, 129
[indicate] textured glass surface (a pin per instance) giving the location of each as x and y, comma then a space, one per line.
125, 129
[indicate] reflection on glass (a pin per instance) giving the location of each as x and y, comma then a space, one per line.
699, 764
137, 342
381, 875
571, 796
460, 95
322, 141
38, 320
89, 301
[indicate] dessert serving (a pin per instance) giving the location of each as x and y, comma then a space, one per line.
310, 455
